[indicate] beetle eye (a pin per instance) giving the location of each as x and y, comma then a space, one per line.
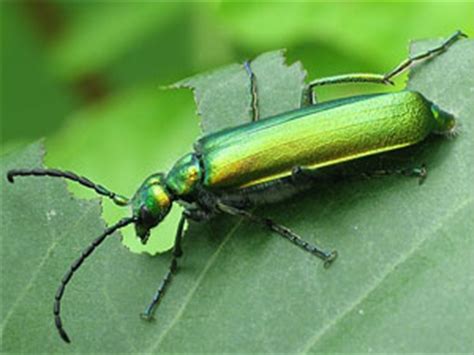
145, 216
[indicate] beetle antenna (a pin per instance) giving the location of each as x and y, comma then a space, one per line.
73, 268
101, 190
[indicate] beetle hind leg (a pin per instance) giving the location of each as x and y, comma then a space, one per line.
383, 78
344, 79
430, 53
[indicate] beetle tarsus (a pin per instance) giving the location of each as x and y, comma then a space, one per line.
64, 336
330, 259
147, 317
11, 176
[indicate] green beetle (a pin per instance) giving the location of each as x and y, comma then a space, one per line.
234, 169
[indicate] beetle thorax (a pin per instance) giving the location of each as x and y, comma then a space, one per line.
184, 176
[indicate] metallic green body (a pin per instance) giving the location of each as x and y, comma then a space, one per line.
184, 176
317, 136
312, 137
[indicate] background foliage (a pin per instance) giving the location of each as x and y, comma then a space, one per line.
87, 78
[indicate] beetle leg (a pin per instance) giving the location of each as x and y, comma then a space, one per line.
407, 63
382, 78
253, 91
302, 174
344, 79
305, 175
197, 214
420, 172
177, 252
283, 231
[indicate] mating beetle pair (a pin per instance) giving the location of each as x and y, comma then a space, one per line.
232, 170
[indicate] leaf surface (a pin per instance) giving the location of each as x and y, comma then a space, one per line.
223, 97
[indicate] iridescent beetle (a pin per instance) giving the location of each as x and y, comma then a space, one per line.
233, 169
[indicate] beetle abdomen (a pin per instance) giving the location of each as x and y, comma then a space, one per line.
315, 137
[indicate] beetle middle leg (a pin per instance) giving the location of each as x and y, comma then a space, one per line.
172, 268
283, 231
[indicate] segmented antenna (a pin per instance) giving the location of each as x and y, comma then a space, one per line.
101, 190
73, 268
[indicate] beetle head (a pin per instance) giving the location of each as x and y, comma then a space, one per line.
150, 205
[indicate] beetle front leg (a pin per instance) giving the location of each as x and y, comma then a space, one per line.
283, 231
172, 268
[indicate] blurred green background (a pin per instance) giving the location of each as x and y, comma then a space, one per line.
87, 76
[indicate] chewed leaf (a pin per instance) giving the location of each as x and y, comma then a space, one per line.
223, 97
280, 86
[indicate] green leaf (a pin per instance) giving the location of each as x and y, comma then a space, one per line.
223, 97
402, 283
42, 227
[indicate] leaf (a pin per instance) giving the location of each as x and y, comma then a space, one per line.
42, 226
223, 97
402, 283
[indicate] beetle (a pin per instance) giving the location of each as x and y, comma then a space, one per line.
234, 169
